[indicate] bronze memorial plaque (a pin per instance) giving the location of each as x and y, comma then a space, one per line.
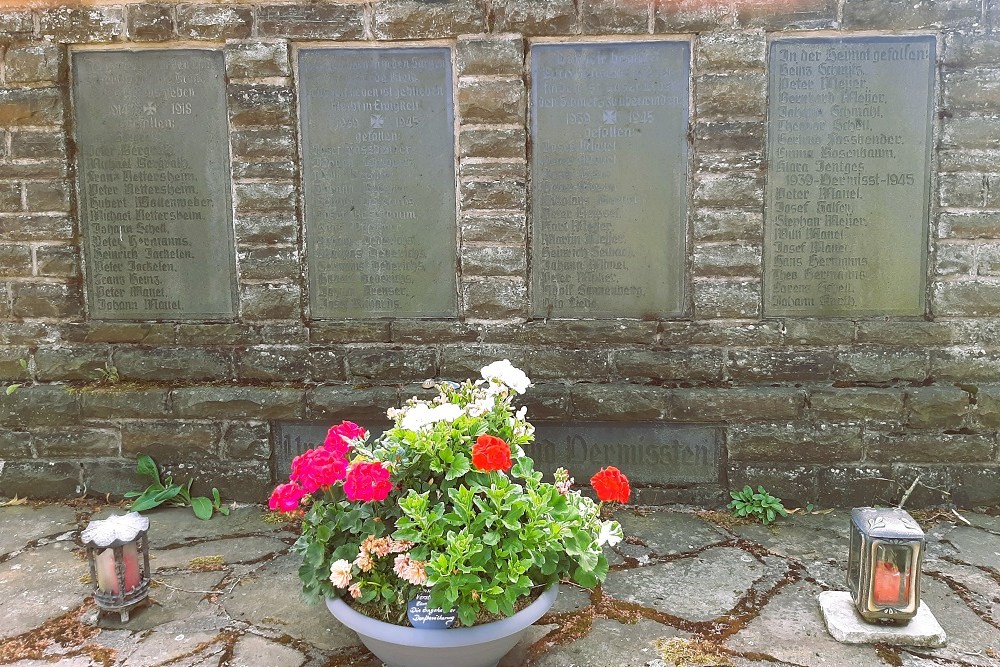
848, 176
378, 155
152, 136
609, 167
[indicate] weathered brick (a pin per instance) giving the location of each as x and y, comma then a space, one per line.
271, 301
149, 22
71, 363
213, 334
256, 59
801, 442
395, 366
82, 24
24, 107
988, 259
122, 402
693, 16
47, 196
493, 260
508, 193
937, 407
173, 364
728, 161
264, 196
459, 362
13, 364
572, 333
59, 261
730, 51
536, 17
40, 405
970, 50
311, 21
10, 198
818, 332
15, 260
955, 259
169, 441
905, 334
31, 169
802, 14
494, 298
27, 227
26, 333
857, 404
976, 89
274, 363
737, 404
491, 55
14, 444
214, 21
266, 227
260, 104
76, 442
119, 332
962, 189
41, 479
976, 485
970, 130
34, 145
739, 299
493, 170
34, 62
492, 101
972, 159
965, 365
688, 365
350, 331
266, 168
490, 141
247, 440
32, 299
548, 401
230, 403
412, 19
326, 365
905, 15
335, 402
877, 365
928, 448
861, 484
508, 227
728, 190
281, 333
614, 17
423, 332
774, 365
611, 402
261, 142
16, 23
271, 262
969, 224
730, 94
726, 259
966, 299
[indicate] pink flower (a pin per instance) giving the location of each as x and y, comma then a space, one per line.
379, 546
364, 561
339, 437
340, 573
355, 590
286, 497
367, 482
318, 468
410, 570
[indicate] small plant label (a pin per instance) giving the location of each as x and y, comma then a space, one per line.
428, 618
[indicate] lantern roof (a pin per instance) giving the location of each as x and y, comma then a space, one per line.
115, 530
886, 522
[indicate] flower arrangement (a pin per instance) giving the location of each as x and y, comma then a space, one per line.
445, 502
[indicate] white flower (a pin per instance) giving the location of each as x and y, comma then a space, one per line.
421, 415
611, 533
340, 573
505, 373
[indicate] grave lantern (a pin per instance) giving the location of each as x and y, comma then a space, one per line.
883, 566
118, 552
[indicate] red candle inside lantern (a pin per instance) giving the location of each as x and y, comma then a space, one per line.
886, 588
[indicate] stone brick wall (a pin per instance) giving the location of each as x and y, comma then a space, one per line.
829, 411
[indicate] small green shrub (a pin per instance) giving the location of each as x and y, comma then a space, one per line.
759, 505
177, 495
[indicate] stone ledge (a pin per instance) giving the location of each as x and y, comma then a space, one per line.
846, 625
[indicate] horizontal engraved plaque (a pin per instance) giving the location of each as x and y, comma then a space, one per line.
848, 181
154, 184
379, 181
609, 128
649, 453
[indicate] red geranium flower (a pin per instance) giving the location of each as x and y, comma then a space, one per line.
491, 453
339, 437
317, 468
286, 497
611, 485
367, 482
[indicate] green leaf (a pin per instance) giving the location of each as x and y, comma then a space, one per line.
459, 467
202, 507
12, 388
146, 467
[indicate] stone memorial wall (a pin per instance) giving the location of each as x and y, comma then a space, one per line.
730, 242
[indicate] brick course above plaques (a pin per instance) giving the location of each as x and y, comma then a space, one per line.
154, 184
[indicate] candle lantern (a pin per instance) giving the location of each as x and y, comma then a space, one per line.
883, 566
118, 552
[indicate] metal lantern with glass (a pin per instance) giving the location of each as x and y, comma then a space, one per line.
118, 552
883, 567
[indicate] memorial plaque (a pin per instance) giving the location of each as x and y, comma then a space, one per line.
609, 169
154, 184
378, 155
647, 452
848, 183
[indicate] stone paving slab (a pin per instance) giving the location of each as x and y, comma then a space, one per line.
746, 591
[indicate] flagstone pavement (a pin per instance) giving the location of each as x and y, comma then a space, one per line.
686, 587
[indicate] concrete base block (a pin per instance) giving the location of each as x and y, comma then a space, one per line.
846, 625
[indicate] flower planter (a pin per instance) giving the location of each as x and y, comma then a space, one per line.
476, 646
